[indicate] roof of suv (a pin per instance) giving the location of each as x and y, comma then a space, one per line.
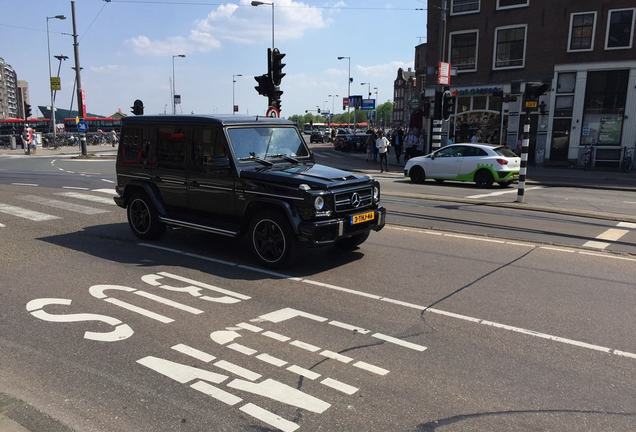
223, 120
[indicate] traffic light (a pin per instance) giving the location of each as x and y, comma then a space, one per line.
277, 66
265, 85
448, 105
437, 109
138, 107
27, 110
318, 110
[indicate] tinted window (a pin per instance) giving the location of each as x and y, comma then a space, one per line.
505, 152
208, 148
131, 144
171, 147
264, 142
448, 152
620, 29
473, 152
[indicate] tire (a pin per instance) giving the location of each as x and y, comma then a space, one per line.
483, 179
505, 184
353, 242
417, 175
143, 218
271, 239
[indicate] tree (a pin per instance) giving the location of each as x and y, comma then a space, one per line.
385, 113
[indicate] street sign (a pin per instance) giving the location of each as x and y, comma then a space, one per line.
444, 74
345, 103
272, 112
177, 99
355, 101
368, 104
82, 126
236, 108
532, 104
56, 83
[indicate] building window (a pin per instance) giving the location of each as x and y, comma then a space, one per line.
562, 124
460, 7
566, 82
604, 109
510, 47
463, 50
582, 31
620, 29
511, 4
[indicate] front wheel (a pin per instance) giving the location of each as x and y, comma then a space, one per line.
272, 240
352, 242
417, 174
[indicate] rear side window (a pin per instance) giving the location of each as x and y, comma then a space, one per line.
473, 152
132, 144
171, 147
505, 152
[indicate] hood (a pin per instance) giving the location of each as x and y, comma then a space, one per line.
314, 175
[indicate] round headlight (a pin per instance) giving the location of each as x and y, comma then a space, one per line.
319, 203
376, 194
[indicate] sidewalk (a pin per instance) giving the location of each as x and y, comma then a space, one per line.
545, 176
65, 150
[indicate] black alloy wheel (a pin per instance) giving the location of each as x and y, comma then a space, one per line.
271, 239
417, 174
483, 179
143, 218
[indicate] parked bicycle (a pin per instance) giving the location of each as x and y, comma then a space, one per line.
586, 157
627, 163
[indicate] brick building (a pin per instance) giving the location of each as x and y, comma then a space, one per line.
584, 50
404, 89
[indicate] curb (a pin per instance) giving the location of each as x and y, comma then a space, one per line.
582, 185
516, 206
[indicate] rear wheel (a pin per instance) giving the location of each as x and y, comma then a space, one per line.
352, 242
271, 239
143, 218
483, 179
417, 174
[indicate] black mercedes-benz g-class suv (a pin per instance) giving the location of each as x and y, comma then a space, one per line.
238, 176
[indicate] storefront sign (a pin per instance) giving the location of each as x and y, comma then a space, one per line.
444, 74
478, 91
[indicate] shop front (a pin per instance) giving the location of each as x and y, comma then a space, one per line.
479, 116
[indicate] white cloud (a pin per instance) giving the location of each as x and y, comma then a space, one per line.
236, 23
105, 69
381, 70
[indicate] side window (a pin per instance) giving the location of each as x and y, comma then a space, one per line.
447, 152
209, 148
131, 142
171, 147
473, 152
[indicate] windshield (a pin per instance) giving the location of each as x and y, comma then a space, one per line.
266, 142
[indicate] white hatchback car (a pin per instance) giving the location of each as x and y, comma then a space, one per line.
480, 163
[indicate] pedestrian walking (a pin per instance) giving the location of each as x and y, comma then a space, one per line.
397, 143
371, 144
383, 144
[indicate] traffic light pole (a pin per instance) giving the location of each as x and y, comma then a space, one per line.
78, 79
525, 145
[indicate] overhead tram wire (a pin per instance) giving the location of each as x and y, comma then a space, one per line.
192, 3
83, 34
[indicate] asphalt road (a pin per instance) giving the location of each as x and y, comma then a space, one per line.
418, 330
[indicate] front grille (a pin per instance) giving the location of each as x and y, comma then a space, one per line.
344, 199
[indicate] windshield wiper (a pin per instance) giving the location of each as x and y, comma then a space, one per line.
286, 157
256, 159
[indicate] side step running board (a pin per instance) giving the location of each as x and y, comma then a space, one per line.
205, 228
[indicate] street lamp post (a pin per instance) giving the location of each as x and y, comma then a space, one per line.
369, 88
233, 86
174, 105
61, 58
333, 103
48, 46
348, 88
258, 3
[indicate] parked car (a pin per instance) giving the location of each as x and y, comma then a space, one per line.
317, 136
348, 141
240, 177
480, 163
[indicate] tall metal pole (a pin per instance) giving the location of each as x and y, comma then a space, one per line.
525, 145
48, 47
349, 93
273, 46
78, 78
174, 105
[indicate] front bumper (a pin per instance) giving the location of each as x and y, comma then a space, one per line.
320, 233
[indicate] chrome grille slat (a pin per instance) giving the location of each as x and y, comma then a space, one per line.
343, 199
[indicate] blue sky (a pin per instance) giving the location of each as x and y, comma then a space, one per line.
126, 52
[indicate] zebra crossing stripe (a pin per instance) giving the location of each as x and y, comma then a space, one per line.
77, 208
87, 197
26, 213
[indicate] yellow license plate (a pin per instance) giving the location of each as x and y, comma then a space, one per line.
362, 217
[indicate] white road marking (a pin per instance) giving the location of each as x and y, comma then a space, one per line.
237, 370
282, 393
305, 346
556, 249
61, 169
249, 327
612, 234
75, 188
2, 225
531, 333
169, 302
370, 368
224, 336
70, 172
216, 393
399, 342
24, 184
340, 386
26, 213
107, 181
271, 360
179, 372
106, 191
336, 356
242, 349
303, 372
141, 311
289, 313
204, 285
276, 336
349, 327
499, 193
269, 417
596, 244
628, 225
483, 239
87, 197
76, 208
194, 353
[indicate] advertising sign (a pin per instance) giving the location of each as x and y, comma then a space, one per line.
355, 101
56, 83
444, 74
368, 104
345, 103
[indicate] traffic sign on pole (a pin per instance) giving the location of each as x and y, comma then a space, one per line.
272, 112
82, 126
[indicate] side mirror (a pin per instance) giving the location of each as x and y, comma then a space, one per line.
432, 157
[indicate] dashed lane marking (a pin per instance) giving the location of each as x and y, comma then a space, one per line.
610, 235
75, 188
108, 181
269, 417
76, 208
106, 191
2, 225
26, 213
499, 193
530, 333
24, 184
87, 197
340, 386
194, 353
216, 393
627, 225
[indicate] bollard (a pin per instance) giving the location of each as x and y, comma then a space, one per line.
525, 144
